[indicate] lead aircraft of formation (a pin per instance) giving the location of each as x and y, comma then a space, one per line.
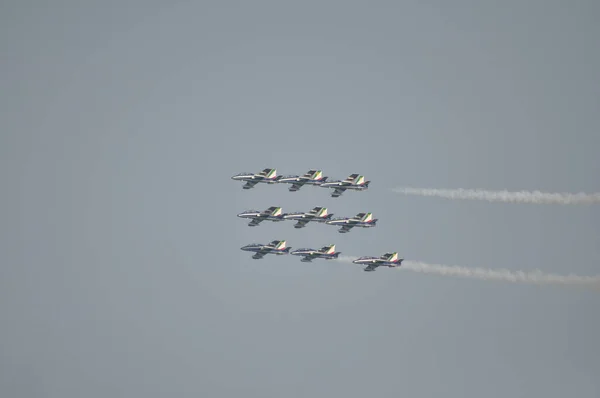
277, 247
273, 213
267, 176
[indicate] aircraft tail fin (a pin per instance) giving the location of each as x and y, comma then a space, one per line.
281, 245
393, 256
322, 212
368, 217
276, 212
352, 178
359, 180
310, 173
330, 249
269, 173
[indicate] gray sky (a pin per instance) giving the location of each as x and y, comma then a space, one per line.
122, 123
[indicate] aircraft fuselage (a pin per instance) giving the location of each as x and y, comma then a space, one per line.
306, 216
254, 178
340, 184
353, 222
377, 261
311, 254
262, 250
261, 216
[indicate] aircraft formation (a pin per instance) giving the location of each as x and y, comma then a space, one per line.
319, 215
354, 182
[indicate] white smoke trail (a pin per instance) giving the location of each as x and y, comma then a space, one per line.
535, 197
535, 277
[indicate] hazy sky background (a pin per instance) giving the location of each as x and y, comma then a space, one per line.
123, 121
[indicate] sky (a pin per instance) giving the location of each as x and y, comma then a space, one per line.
121, 272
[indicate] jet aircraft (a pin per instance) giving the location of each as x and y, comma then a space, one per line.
387, 260
277, 247
267, 176
317, 214
272, 214
354, 182
363, 220
326, 252
312, 177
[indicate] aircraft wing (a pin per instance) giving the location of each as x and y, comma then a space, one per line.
250, 184
259, 255
296, 186
338, 192
371, 267
346, 228
256, 221
301, 223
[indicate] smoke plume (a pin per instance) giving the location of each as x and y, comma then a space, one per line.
534, 277
533, 197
